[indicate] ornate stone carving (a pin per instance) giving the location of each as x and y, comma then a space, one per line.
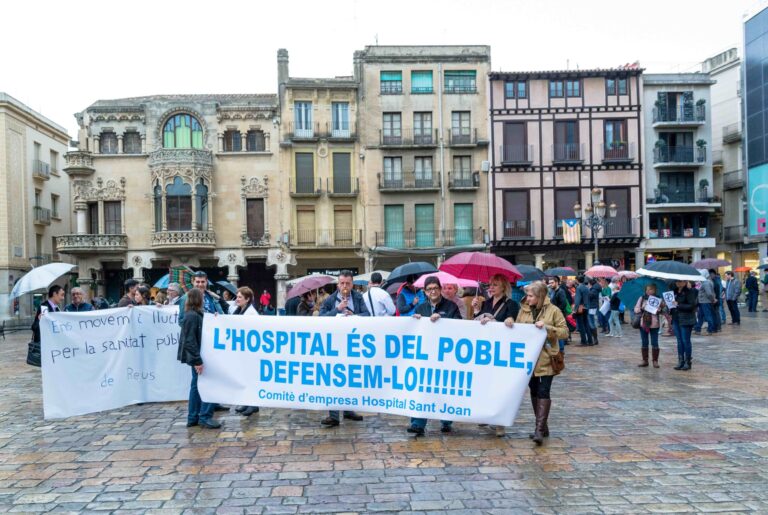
261, 242
91, 243
184, 239
85, 191
254, 188
181, 157
226, 113
79, 163
231, 258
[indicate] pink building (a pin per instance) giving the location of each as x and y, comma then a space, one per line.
557, 136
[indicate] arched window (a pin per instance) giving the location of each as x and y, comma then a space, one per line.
108, 143
201, 206
182, 131
158, 194
178, 206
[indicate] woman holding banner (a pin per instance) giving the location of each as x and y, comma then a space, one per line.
500, 306
200, 413
538, 310
244, 306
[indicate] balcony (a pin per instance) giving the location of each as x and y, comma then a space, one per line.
617, 227
335, 132
183, 240
518, 230
41, 170
464, 138
683, 232
330, 238
733, 180
91, 243
342, 186
679, 116
516, 155
79, 164
303, 132
568, 153
42, 215
408, 138
415, 239
409, 182
461, 180
732, 133
181, 157
733, 234
680, 196
392, 87
618, 152
305, 187
679, 156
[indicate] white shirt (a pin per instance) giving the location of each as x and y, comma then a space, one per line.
249, 311
382, 301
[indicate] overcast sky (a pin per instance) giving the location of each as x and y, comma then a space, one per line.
58, 57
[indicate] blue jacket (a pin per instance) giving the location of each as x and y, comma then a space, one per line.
328, 309
405, 301
582, 297
210, 305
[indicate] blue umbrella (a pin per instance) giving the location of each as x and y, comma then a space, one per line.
162, 283
634, 289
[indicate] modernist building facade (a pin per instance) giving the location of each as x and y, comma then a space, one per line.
34, 196
682, 210
557, 136
423, 125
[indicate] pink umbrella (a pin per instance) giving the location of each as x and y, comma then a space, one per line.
309, 284
602, 271
628, 274
480, 266
446, 278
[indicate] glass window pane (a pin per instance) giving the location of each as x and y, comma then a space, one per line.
425, 225
462, 223
394, 219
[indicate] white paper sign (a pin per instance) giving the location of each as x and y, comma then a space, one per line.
606, 307
669, 299
100, 360
653, 304
448, 370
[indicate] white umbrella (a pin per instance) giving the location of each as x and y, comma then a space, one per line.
367, 277
40, 278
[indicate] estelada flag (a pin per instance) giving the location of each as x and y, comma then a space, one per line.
571, 230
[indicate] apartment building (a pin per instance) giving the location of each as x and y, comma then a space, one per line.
423, 122
34, 196
560, 139
681, 205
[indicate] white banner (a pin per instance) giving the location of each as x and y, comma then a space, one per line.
449, 369
102, 360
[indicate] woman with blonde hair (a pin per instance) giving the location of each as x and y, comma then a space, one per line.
500, 306
538, 310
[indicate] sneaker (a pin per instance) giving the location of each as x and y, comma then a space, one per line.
329, 422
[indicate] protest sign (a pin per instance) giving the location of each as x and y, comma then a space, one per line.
653, 304
669, 299
99, 360
449, 369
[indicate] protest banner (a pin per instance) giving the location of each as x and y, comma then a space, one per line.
449, 369
99, 360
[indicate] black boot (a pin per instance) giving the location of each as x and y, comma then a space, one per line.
681, 362
644, 353
542, 414
535, 405
687, 364
594, 336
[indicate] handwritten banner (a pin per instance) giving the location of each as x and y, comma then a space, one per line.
102, 360
450, 369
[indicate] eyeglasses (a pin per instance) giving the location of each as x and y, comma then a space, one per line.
431, 289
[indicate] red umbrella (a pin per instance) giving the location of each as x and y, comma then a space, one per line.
309, 284
480, 266
602, 271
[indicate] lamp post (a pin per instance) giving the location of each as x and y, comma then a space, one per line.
594, 215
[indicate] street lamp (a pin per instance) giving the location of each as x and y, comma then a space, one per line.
595, 217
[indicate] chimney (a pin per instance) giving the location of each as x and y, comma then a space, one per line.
282, 72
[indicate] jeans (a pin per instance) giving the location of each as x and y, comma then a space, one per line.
721, 307
199, 411
591, 319
615, 324
540, 386
733, 307
335, 414
683, 334
705, 313
752, 301
602, 320
583, 327
561, 344
421, 423
652, 335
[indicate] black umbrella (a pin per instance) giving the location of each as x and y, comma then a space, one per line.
671, 270
763, 267
530, 273
231, 288
560, 271
417, 268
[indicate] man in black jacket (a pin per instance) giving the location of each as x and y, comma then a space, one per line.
344, 301
581, 303
753, 291
559, 297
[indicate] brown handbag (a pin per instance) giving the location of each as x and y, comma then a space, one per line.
558, 362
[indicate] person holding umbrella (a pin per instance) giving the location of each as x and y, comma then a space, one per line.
683, 320
499, 306
307, 305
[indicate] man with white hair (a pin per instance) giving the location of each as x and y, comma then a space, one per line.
174, 294
78, 302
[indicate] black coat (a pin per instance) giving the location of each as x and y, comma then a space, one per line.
190, 338
36, 322
510, 308
687, 303
751, 284
445, 308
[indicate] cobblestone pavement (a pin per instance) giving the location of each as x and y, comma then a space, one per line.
624, 439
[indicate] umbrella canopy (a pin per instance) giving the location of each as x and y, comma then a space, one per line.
711, 263
40, 278
530, 273
602, 271
633, 290
308, 284
163, 282
742, 269
671, 270
560, 271
417, 268
231, 288
763, 267
480, 266
297, 280
392, 288
628, 274
446, 278
366, 278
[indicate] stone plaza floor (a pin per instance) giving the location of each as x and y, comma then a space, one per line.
624, 440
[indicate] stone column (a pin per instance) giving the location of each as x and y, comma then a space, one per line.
86, 284
81, 214
266, 142
143, 143
165, 219
639, 258
232, 275
696, 254
96, 149
280, 280
368, 257
243, 141
539, 260
119, 143
589, 258
101, 217
210, 212
194, 225
221, 142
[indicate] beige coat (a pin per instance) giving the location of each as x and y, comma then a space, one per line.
554, 323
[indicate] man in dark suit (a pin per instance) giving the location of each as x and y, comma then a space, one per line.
55, 298
344, 301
